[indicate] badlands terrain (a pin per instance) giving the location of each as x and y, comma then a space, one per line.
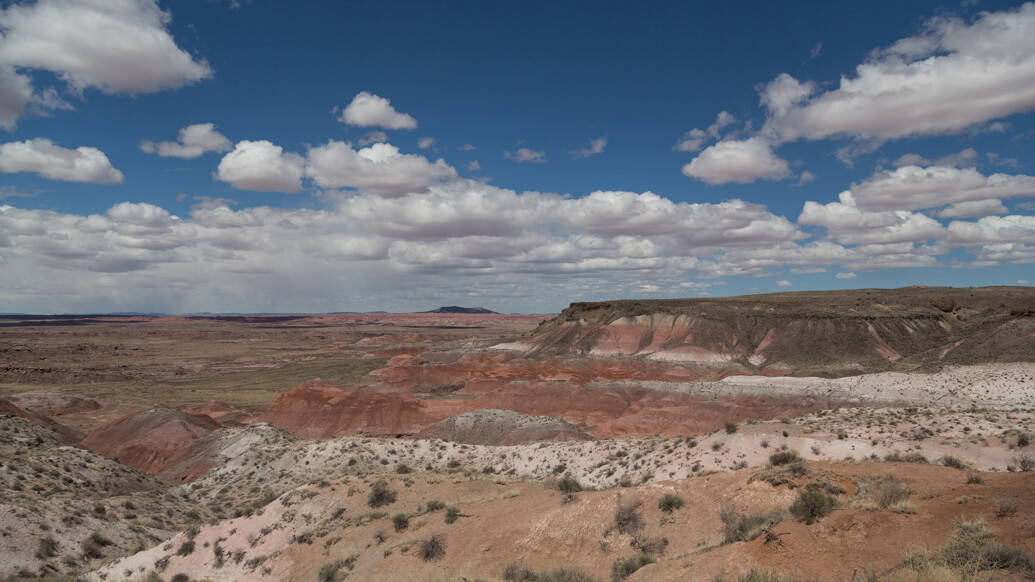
836, 436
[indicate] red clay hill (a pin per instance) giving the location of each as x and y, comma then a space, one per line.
595, 365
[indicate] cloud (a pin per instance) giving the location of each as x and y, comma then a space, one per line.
41, 156
15, 94
737, 161
261, 166
847, 223
116, 46
915, 187
523, 155
465, 148
848, 275
806, 177
379, 168
425, 142
951, 77
695, 139
783, 283
369, 110
973, 209
194, 141
596, 146
691, 141
474, 166
723, 119
375, 136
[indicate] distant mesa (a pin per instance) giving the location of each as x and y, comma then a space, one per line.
458, 309
828, 333
502, 427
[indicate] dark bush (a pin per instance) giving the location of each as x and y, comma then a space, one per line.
731, 427
400, 521
783, 458
628, 518
623, 568
812, 504
452, 514
432, 548
380, 495
670, 502
569, 484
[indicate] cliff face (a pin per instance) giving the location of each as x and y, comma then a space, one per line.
835, 332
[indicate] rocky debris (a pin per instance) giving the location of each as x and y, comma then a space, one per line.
151, 440
50, 403
502, 427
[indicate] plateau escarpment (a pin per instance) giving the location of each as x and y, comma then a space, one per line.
809, 333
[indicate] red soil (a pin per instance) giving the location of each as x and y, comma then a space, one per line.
150, 440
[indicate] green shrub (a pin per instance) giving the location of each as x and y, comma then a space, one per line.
954, 462
783, 458
731, 427
623, 568
519, 573
569, 484
670, 502
186, 548
435, 505
400, 521
628, 517
744, 527
47, 548
380, 495
1005, 508
403, 469
452, 514
812, 504
432, 548
1023, 439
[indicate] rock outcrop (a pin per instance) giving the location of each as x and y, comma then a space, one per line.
502, 427
50, 403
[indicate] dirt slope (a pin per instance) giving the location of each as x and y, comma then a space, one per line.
150, 440
67, 435
505, 521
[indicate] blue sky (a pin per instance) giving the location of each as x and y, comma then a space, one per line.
327, 156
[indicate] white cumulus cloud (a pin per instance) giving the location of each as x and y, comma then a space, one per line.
738, 161
379, 168
262, 166
41, 156
369, 110
914, 187
194, 141
116, 46
595, 146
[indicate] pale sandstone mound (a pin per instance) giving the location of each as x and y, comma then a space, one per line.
65, 434
317, 409
222, 412
150, 440
502, 427
835, 332
50, 403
